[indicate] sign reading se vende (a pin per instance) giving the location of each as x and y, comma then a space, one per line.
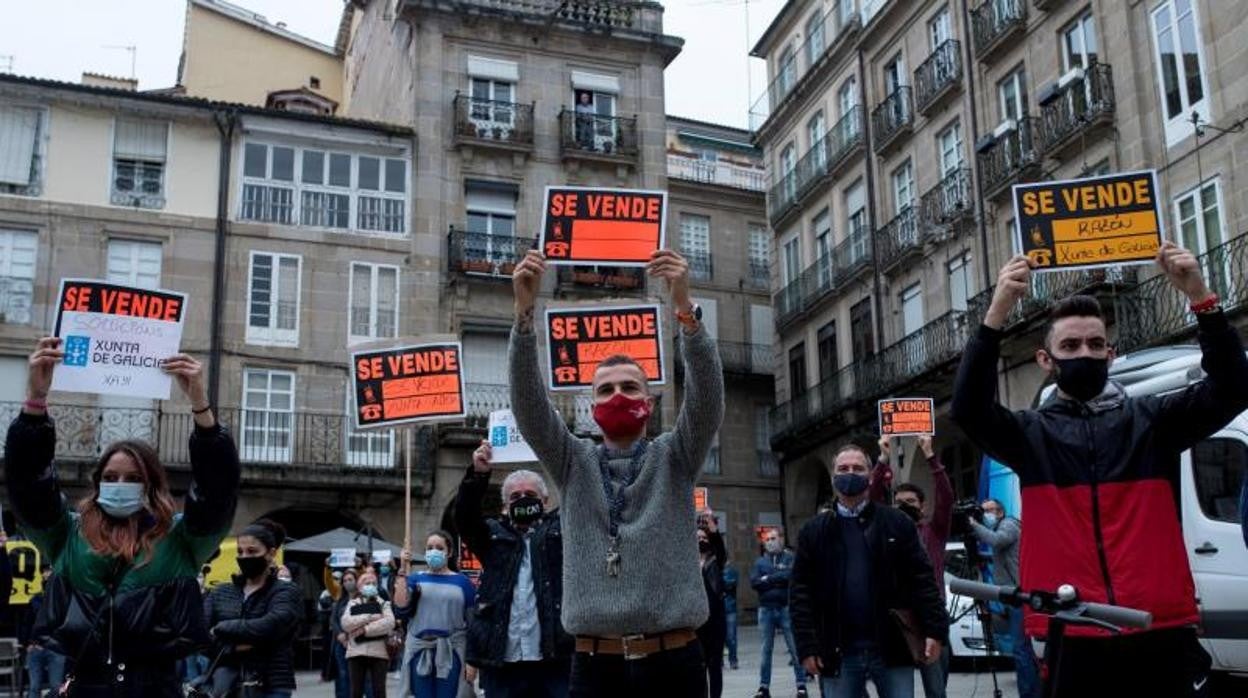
585, 225
416, 383
907, 416
1088, 223
116, 338
580, 338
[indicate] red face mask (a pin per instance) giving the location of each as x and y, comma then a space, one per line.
621, 416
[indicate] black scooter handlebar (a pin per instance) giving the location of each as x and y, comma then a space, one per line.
1120, 616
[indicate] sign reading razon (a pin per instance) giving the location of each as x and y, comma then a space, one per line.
1088, 223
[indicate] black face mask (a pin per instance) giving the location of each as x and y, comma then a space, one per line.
912, 511
525, 510
704, 546
1082, 378
252, 567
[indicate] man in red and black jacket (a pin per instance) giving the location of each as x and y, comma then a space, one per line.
1100, 478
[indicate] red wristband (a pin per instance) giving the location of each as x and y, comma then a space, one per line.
36, 405
1207, 304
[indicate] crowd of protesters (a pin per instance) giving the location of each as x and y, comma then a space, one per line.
624, 589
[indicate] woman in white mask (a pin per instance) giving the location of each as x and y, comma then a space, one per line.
437, 603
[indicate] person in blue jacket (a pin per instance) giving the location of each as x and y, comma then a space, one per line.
770, 578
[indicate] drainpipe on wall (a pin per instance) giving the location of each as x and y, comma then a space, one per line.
226, 123
878, 308
982, 213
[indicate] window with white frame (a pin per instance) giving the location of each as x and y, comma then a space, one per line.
821, 225
1012, 92
695, 244
134, 263
788, 162
961, 282
791, 256
939, 29
492, 105
1079, 43
374, 302
139, 150
268, 416
847, 96
856, 223
911, 309
1180, 67
760, 246
949, 145
273, 299
786, 69
333, 190
767, 463
903, 187
1198, 212
815, 37
21, 149
815, 130
17, 275
491, 239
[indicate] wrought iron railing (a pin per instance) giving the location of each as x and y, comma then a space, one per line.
492, 121
840, 22
585, 133
899, 238
484, 255
591, 14
603, 278
854, 255
701, 266
744, 358
1010, 157
788, 302
1156, 313
818, 280
993, 21
820, 160
935, 76
768, 464
892, 117
952, 199
844, 137
817, 403
758, 276
1079, 104
726, 174
782, 196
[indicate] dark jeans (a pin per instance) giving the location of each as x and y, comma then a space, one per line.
715, 671
362, 668
342, 679
47, 671
935, 676
731, 639
679, 672
1167, 662
1026, 669
545, 679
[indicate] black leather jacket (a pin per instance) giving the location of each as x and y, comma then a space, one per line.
500, 548
266, 622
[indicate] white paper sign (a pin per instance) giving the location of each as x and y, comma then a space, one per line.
382, 557
116, 338
509, 446
342, 557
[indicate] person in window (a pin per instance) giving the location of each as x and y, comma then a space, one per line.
123, 548
253, 619
585, 119
367, 621
436, 606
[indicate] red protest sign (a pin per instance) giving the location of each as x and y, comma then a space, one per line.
907, 416
586, 225
415, 383
580, 338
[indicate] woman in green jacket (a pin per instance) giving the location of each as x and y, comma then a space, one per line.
125, 603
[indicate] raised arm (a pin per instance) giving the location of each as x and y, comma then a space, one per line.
536, 417
881, 477
942, 491
989, 425
468, 517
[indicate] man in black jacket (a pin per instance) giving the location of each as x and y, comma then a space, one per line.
515, 638
1099, 473
861, 574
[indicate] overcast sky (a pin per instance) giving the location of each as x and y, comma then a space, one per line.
712, 79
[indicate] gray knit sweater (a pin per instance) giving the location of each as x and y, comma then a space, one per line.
659, 587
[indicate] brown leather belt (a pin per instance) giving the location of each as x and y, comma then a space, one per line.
636, 646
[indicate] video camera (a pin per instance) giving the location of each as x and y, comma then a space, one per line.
962, 510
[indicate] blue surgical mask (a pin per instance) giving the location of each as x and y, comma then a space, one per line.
121, 499
991, 520
436, 559
369, 590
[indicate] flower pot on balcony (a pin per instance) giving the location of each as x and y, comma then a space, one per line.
480, 266
587, 277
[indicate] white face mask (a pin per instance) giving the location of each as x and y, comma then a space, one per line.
120, 500
773, 546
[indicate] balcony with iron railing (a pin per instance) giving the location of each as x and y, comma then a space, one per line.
892, 118
598, 137
900, 239
788, 302
487, 122
594, 16
854, 256
844, 139
725, 174
782, 197
948, 204
1046, 4
815, 407
739, 358
1009, 158
482, 255
938, 76
994, 23
604, 278
1071, 110
818, 49
758, 276
823, 160
701, 265
1155, 313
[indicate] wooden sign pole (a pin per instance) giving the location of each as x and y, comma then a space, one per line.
407, 488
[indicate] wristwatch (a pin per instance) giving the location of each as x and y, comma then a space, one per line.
691, 318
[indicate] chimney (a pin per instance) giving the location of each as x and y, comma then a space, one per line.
116, 83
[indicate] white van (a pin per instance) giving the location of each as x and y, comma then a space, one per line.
1212, 476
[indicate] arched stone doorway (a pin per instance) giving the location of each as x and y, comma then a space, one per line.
807, 486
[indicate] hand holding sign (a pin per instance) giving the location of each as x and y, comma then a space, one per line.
43, 361
526, 280
1181, 268
1013, 282
672, 268
925, 445
189, 375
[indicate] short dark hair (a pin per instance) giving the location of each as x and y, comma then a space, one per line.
1076, 306
911, 487
994, 501
852, 447
620, 360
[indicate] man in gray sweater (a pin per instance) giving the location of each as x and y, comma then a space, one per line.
632, 586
